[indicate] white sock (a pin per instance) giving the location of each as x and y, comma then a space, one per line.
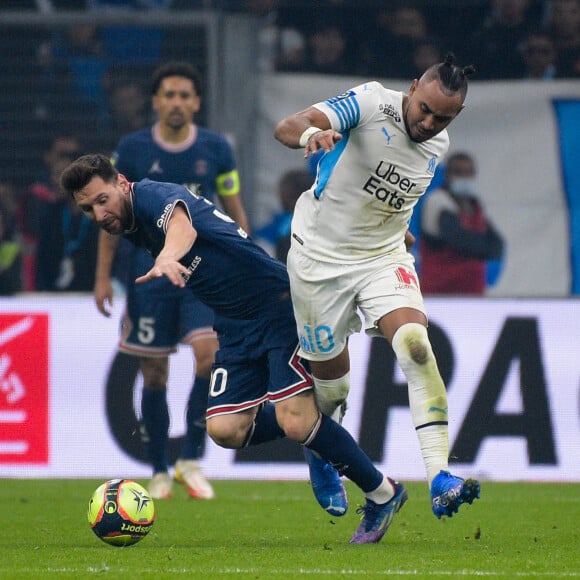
434, 443
331, 394
383, 493
427, 395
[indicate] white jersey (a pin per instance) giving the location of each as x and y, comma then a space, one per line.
366, 188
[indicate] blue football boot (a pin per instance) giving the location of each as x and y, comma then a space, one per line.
326, 484
448, 492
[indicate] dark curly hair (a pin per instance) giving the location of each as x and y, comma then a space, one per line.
176, 69
80, 172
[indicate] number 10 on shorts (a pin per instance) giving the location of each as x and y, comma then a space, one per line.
318, 339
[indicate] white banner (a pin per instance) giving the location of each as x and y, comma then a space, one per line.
512, 370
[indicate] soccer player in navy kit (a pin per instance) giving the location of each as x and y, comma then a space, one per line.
198, 247
159, 316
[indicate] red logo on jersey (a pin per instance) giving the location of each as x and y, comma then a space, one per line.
24, 388
405, 277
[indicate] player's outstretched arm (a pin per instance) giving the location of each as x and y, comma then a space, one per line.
103, 289
179, 239
309, 129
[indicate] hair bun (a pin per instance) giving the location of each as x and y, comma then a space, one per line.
449, 59
468, 70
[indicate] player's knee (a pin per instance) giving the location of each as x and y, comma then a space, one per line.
296, 416
155, 372
411, 344
224, 437
294, 428
227, 431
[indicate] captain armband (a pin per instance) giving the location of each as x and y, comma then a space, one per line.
228, 183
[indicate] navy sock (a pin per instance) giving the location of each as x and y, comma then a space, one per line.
155, 420
335, 444
265, 427
194, 444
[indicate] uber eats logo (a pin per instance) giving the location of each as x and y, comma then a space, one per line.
387, 185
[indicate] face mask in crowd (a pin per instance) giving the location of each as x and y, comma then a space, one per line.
463, 186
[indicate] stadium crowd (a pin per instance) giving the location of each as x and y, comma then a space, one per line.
401, 39
390, 39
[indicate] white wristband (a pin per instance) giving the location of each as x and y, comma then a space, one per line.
307, 134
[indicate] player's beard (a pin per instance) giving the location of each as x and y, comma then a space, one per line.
127, 218
414, 138
176, 120
120, 223
112, 226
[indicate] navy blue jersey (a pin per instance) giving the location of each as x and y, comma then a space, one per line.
206, 160
202, 161
228, 272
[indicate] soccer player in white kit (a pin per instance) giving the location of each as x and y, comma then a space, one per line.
348, 252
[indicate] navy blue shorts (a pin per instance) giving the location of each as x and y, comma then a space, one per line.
159, 316
257, 361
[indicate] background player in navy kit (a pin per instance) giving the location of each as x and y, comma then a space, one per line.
159, 315
198, 247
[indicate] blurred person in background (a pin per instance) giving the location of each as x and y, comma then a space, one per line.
66, 248
281, 45
457, 237
540, 56
9, 199
58, 254
327, 48
10, 243
562, 21
75, 60
276, 234
496, 44
130, 43
292, 50
426, 53
394, 34
127, 106
160, 316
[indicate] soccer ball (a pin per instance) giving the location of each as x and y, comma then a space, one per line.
121, 512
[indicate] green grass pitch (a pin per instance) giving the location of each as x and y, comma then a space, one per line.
268, 530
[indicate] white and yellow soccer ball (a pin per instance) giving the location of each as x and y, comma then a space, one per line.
121, 512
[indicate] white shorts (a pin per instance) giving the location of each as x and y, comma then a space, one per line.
327, 298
